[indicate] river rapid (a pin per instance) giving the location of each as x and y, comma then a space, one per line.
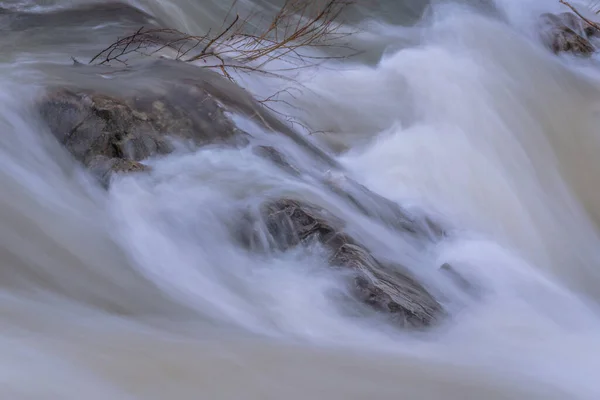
455, 108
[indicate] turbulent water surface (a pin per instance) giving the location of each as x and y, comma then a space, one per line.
456, 108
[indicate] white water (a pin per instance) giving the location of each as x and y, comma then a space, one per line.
140, 293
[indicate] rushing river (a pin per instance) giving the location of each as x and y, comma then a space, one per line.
456, 108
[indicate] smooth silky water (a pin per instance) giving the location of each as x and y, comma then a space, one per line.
140, 292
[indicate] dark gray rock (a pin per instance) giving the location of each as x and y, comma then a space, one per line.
104, 168
91, 124
387, 212
389, 288
132, 115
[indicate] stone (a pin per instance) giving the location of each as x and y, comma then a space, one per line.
389, 288
368, 203
105, 168
92, 124
155, 99
139, 111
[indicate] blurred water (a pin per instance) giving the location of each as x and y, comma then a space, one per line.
456, 108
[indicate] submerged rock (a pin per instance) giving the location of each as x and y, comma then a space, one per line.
387, 287
565, 33
387, 212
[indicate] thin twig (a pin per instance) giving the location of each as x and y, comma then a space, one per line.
237, 17
591, 23
297, 24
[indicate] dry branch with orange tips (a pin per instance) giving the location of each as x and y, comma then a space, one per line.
297, 25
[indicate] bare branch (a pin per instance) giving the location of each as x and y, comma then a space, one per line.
587, 21
242, 46
298, 24
214, 40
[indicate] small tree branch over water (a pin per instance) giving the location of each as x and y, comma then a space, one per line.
298, 24
592, 24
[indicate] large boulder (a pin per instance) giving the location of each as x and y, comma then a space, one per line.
388, 287
566, 33
108, 132
90, 123
140, 110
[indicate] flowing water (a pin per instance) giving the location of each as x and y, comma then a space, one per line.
454, 108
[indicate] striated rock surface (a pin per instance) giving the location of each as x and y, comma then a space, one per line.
389, 288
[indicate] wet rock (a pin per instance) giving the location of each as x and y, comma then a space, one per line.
389, 288
91, 124
104, 168
573, 22
135, 114
565, 33
368, 203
